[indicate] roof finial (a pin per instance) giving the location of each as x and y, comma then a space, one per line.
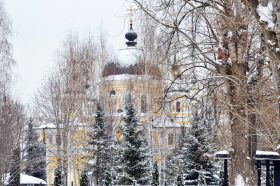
130, 35
130, 14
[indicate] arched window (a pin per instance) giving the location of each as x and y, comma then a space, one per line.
178, 106
170, 139
113, 101
112, 93
143, 104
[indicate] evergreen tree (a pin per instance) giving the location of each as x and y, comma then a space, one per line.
108, 179
155, 175
101, 142
84, 179
117, 163
171, 169
136, 153
195, 164
179, 180
57, 177
35, 154
14, 179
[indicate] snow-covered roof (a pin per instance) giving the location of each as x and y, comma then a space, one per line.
48, 125
26, 179
165, 122
130, 56
121, 77
267, 153
222, 152
260, 155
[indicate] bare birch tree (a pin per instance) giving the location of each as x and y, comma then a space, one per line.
11, 112
67, 98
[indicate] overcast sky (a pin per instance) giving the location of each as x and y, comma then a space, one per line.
40, 26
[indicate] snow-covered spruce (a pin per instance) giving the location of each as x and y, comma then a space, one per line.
84, 179
198, 168
57, 177
100, 143
135, 156
155, 175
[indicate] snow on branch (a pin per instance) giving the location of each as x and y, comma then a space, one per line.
265, 13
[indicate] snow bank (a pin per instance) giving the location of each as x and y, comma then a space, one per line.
26, 179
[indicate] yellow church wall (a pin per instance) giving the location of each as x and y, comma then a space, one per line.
76, 162
138, 88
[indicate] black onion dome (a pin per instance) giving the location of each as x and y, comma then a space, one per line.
131, 36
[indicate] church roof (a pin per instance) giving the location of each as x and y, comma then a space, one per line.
140, 68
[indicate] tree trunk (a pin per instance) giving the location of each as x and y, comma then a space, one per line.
242, 166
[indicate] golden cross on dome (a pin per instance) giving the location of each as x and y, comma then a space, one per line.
130, 13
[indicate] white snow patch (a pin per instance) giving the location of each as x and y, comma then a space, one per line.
222, 152
229, 34
121, 77
278, 146
239, 181
48, 125
265, 13
26, 179
267, 153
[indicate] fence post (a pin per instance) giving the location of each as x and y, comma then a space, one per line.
259, 169
225, 172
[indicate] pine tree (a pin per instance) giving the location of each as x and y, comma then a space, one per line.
57, 178
15, 168
136, 153
84, 179
155, 175
195, 164
101, 142
35, 154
